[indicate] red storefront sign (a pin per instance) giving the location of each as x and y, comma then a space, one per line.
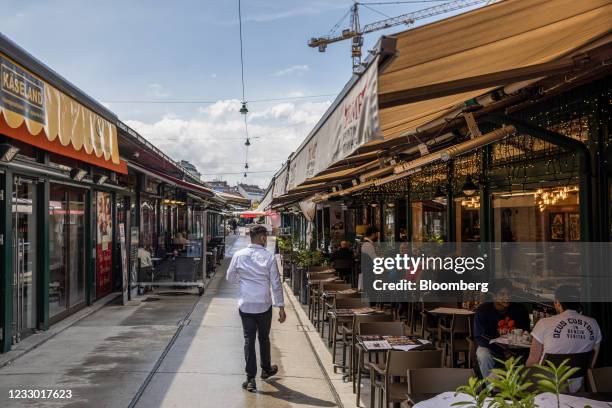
104, 246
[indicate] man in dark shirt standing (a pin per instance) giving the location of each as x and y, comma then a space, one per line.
486, 324
342, 259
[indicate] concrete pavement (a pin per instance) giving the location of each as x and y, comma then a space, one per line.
150, 355
205, 367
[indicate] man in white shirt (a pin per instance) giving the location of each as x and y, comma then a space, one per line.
568, 332
254, 268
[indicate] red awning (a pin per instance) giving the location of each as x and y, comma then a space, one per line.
185, 184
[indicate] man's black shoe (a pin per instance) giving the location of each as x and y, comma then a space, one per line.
249, 385
265, 374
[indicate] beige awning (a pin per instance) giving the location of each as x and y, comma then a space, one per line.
504, 36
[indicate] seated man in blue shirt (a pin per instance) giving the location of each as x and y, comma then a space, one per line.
486, 323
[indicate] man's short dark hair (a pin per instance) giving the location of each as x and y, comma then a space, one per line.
256, 232
569, 297
371, 231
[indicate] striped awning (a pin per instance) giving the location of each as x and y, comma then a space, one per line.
35, 112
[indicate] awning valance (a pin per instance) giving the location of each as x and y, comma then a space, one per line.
37, 113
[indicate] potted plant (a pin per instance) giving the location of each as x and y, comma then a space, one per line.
510, 386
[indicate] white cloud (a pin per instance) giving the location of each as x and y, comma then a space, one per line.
157, 91
214, 139
294, 69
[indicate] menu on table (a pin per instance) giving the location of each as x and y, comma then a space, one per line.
356, 311
347, 291
401, 343
375, 343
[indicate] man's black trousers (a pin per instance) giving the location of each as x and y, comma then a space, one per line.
256, 324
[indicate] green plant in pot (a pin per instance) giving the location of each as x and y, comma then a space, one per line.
510, 386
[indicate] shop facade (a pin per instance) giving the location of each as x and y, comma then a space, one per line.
80, 195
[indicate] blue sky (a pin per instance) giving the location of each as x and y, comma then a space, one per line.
187, 50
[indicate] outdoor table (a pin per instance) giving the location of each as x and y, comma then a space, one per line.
324, 306
544, 400
449, 311
509, 341
373, 343
326, 271
344, 316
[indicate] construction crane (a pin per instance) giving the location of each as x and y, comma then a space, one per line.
356, 32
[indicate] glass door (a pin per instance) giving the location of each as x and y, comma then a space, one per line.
24, 257
66, 249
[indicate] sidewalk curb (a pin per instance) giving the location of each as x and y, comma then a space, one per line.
34, 341
343, 392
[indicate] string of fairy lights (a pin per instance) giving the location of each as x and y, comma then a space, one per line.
243, 108
523, 160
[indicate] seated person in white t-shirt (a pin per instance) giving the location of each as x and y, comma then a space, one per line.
568, 332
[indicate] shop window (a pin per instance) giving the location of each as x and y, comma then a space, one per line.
429, 221
542, 215
66, 248
467, 211
148, 235
389, 230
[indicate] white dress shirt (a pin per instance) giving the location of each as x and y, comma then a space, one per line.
255, 269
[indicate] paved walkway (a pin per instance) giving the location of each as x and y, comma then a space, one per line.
205, 367
149, 355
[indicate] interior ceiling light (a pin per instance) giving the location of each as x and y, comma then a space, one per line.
469, 188
8, 152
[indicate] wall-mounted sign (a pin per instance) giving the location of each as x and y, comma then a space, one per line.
21, 92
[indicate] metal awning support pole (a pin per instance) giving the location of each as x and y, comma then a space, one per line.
584, 157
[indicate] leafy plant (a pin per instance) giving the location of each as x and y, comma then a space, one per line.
476, 389
285, 244
556, 378
510, 387
307, 257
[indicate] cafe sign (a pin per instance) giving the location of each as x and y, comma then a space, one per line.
33, 111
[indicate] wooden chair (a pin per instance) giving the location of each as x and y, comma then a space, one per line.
454, 337
600, 379
435, 381
397, 365
372, 328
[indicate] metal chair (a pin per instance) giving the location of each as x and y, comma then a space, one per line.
435, 381
600, 379
454, 337
397, 365
372, 328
